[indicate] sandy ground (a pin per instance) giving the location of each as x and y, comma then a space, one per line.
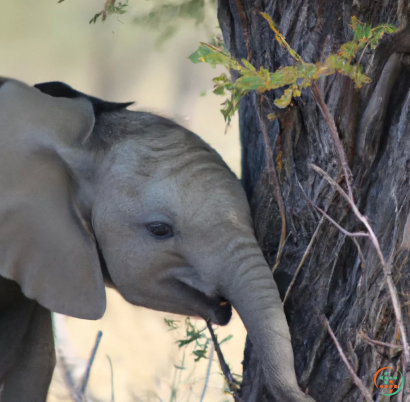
116, 61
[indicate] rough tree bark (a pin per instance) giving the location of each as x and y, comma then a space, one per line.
374, 125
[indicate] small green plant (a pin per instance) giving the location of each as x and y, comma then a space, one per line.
111, 7
200, 342
194, 336
166, 16
293, 78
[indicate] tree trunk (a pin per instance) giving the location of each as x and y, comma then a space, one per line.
374, 126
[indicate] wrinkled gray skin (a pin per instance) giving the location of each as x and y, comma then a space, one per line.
72, 183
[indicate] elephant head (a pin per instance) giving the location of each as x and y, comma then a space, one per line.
94, 193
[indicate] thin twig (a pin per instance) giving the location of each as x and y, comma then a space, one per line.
359, 251
208, 372
335, 136
302, 261
354, 376
232, 383
367, 339
90, 363
275, 181
344, 231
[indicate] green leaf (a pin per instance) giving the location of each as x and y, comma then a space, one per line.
95, 18
248, 65
228, 338
200, 354
171, 324
219, 90
199, 55
285, 99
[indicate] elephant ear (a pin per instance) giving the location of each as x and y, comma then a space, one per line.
61, 90
45, 242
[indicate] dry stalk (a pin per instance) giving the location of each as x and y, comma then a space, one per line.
275, 181
208, 372
356, 379
112, 379
90, 363
349, 198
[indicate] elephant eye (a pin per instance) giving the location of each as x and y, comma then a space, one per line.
159, 230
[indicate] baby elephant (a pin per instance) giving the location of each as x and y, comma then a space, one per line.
92, 194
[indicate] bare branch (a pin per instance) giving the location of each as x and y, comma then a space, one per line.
367, 339
344, 231
335, 136
275, 181
356, 379
302, 261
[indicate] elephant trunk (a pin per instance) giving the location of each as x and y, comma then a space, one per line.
254, 295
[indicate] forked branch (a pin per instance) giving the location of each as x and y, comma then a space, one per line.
373, 238
356, 379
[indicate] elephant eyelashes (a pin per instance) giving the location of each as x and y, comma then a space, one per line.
159, 230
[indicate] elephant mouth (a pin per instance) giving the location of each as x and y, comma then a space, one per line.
222, 311
217, 309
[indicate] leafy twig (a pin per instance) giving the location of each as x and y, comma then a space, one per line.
232, 383
293, 78
110, 8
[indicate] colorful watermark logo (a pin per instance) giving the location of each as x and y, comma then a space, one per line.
387, 381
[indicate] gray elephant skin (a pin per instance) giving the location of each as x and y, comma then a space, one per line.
94, 195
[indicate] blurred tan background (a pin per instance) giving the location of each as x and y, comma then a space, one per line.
116, 60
